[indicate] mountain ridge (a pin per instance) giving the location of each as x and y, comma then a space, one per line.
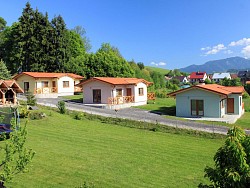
221, 65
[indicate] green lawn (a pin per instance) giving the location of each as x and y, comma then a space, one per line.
69, 152
74, 98
164, 106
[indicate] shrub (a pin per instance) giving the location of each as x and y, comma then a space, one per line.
33, 115
78, 115
245, 95
23, 112
61, 107
31, 100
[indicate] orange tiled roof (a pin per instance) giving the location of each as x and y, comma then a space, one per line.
215, 88
49, 75
12, 84
117, 81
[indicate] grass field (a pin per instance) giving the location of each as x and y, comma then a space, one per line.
157, 69
69, 152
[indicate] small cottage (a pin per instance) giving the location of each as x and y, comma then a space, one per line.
209, 100
110, 91
49, 85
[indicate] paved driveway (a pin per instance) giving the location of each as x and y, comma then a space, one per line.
139, 115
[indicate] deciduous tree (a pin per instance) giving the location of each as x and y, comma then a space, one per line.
232, 162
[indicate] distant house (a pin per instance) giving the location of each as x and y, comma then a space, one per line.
244, 76
209, 100
8, 91
217, 77
48, 85
199, 77
233, 76
115, 92
182, 79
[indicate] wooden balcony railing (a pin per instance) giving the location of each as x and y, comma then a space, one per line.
77, 89
151, 96
121, 100
45, 90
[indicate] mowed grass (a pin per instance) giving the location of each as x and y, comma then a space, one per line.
69, 152
164, 106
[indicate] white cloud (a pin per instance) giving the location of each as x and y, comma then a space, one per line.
205, 48
214, 49
246, 51
241, 42
228, 52
158, 64
162, 64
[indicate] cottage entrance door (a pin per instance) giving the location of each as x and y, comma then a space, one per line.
197, 107
129, 93
230, 105
97, 96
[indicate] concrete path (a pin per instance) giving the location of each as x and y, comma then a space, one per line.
139, 115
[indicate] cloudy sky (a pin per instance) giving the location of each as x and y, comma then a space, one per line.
164, 33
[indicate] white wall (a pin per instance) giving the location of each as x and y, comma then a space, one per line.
68, 90
108, 90
142, 98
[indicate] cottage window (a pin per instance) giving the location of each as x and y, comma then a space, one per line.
45, 84
197, 107
240, 101
65, 84
118, 92
141, 93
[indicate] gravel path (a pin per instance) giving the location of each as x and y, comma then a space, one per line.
139, 115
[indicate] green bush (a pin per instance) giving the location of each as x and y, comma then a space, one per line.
245, 95
23, 112
61, 107
33, 115
31, 100
78, 115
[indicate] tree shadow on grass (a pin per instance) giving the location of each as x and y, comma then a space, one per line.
166, 110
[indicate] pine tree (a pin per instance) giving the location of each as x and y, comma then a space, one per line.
4, 73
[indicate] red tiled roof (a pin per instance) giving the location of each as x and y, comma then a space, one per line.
215, 88
117, 81
49, 75
197, 75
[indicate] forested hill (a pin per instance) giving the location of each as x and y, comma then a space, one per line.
222, 65
158, 69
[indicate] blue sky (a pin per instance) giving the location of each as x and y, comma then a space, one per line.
165, 33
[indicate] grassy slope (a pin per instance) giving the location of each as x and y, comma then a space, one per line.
157, 69
70, 151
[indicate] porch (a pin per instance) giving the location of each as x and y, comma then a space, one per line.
45, 90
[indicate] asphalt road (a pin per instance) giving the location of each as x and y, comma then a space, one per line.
138, 115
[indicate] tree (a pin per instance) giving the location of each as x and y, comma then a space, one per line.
4, 73
140, 65
15, 155
82, 32
2, 24
232, 162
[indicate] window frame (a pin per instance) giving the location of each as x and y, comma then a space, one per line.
65, 85
141, 91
